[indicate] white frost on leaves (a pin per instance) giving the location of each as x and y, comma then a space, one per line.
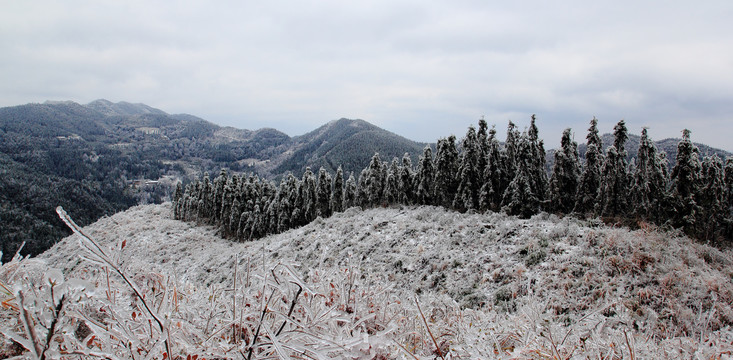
489, 285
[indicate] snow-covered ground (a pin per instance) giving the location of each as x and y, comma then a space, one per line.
487, 286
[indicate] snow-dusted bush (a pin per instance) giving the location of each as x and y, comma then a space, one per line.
345, 287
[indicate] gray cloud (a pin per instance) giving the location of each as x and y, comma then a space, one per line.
421, 70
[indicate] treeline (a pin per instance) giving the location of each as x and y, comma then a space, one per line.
482, 174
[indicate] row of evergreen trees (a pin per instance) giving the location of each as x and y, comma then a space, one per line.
481, 174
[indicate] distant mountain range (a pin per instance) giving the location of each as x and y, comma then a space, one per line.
103, 157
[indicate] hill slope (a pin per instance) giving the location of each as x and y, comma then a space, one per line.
347, 143
490, 286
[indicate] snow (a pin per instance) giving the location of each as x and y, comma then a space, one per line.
489, 286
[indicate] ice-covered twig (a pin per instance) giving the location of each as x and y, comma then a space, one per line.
97, 251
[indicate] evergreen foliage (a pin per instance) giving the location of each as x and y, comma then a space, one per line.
519, 198
590, 179
325, 184
565, 176
613, 189
375, 182
446, 168
713, 198
391, 189
337, 195
493, 177
686, 185
350, 192
426, 178
469, 177
247, 207
536, 162
510, 150
406, 184
649, 181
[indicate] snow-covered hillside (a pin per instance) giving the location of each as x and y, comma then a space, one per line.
487, 286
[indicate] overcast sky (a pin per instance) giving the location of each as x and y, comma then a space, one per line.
422, 69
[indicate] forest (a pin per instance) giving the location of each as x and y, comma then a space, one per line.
481, 174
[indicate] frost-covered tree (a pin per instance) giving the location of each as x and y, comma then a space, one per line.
406, 181
519, 198
350, 192
425, 177
613, 189
446, 170
207, 198
493, 176
729, 181
337, 196
729, 197
309, 195
482, 140
511, 147
177, 196
362, 189
590, 179
219, 185
375, 181
227, 203
538, 175
649, 181
242, 232
686, 185
287, 194
469, 177
272, 216
565, 175
323, 194
391, 188
713, 197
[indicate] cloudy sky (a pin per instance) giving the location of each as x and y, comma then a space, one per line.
422, 69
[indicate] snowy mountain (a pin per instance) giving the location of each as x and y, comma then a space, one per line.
401, 282
93, 158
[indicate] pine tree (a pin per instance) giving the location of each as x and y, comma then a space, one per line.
686, 185
219, 185
614, 186
177, 196
362, 189
590, 179
538, 174
565, 175
391, 188
519, 198
406, 181
469, 178
713, 198
729, 181
273, 209
323, 208
649, 181
446, 170
308, 192
350, 192
729, 197
482, 139
425, 178
511, 147
287, 194
493, 175
375, 181
337, 196
227, 203
242, 233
